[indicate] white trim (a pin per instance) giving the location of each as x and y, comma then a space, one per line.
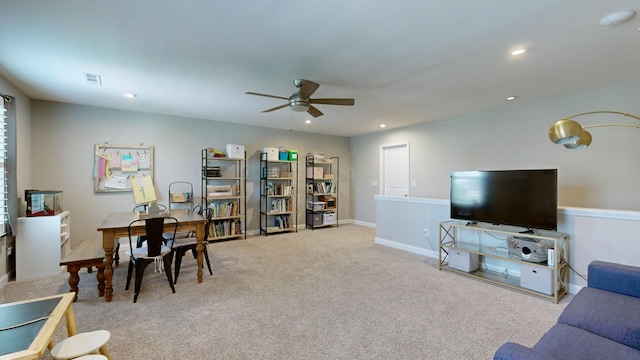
562, 210
408, 248
412, 200
599, 213
363, 223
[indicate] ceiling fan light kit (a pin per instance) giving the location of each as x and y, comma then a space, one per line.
301, 101
298, 104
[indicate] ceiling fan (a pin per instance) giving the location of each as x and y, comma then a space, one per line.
301, 100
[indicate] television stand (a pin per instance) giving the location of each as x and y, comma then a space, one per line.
481, 251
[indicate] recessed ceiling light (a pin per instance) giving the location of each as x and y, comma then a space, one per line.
510, 98
383, 125
307, 121
518, 51
617, 17
130, 95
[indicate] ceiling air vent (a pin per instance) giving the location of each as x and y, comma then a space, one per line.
93, 79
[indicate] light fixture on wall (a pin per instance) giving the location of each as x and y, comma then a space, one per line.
572, 135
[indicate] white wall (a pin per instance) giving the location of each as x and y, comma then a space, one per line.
64, 136
603, 176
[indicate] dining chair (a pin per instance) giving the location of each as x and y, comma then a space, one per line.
155, 251
181, 245
143, 207
140, 239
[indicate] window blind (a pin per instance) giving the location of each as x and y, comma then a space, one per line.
4, 213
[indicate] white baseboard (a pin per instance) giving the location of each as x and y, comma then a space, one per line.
363, 223
409, 248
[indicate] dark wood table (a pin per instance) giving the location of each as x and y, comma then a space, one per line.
28, 326
115, 226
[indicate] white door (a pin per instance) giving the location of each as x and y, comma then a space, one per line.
394, 169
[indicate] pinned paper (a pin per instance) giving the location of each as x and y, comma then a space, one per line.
143, 161
143, 190
115, 160
116, 182
129, 162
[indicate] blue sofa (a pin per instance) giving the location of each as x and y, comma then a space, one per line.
602, 321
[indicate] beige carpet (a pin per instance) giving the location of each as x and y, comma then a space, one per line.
328, 293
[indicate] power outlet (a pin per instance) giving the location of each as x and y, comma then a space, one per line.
426, 233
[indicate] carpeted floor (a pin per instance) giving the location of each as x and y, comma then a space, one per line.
329, 293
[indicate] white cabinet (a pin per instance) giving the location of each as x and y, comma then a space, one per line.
40, 244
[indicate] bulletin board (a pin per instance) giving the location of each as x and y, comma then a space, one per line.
115, 166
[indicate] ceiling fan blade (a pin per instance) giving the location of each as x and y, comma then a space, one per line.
271, 96
348, 102
314, 111
276, 108
307, 88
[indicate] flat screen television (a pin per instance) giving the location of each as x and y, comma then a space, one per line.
523, 198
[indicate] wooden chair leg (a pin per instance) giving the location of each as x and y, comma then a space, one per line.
103, 351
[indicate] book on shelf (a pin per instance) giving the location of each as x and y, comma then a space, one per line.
323, 188
282, 221
281, 205
222, 209
225, 228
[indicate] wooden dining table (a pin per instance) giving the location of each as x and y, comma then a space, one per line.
26, 327
116, 225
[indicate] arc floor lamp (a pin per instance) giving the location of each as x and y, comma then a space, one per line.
572, 135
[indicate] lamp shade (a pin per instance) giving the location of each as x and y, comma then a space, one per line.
565, 131
583, 141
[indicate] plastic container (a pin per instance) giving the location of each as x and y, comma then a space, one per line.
43, 202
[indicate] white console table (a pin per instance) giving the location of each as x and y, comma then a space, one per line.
477, 245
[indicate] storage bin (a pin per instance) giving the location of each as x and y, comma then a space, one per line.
314, 219
536, 279
329, 201
293, 155
463, 260
316, 172
43, 202
284, 155
315, 205
329, 218
272, 153
235, 151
